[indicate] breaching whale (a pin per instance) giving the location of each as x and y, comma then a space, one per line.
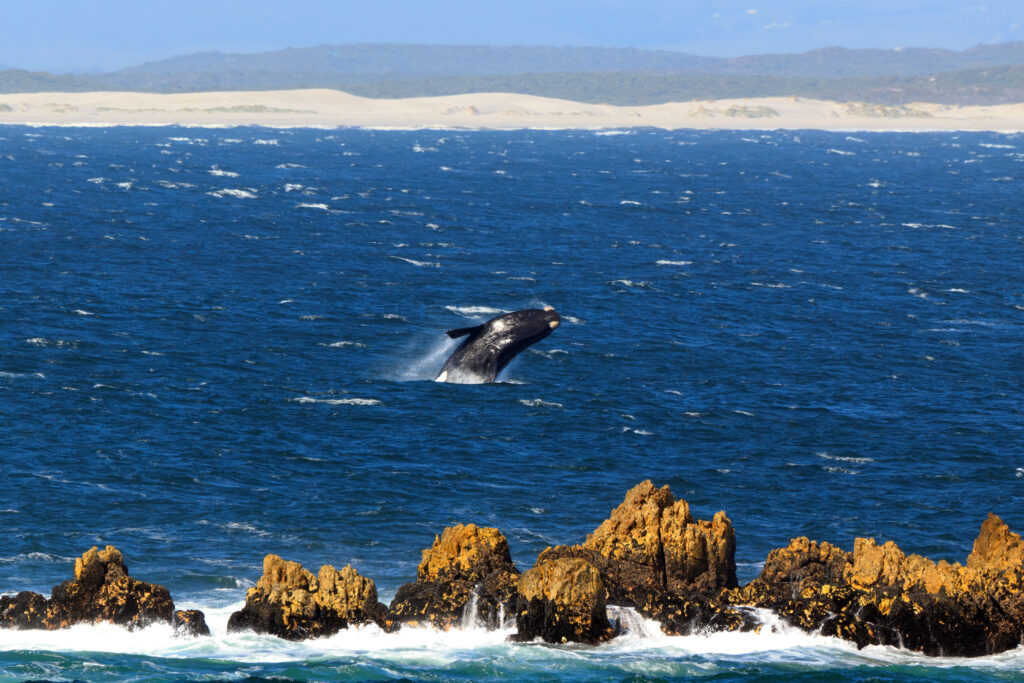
492, 345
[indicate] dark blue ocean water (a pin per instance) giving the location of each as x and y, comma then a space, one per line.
216, 344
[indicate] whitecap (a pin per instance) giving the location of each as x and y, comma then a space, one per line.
286, 166
629, 202
342, 344
221, 172
474, 311
240, 194
338, 401
539, 403
421, 264
265, 142
16, 375
79, 311
663, 262
860, 460
322, 207
841, 152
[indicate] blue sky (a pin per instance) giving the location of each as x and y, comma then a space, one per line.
82, 35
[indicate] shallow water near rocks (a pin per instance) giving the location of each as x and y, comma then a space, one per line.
819, 333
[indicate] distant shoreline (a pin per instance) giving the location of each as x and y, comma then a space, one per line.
487, 111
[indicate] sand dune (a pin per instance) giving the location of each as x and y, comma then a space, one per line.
332, 108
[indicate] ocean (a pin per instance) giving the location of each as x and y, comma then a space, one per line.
220, 343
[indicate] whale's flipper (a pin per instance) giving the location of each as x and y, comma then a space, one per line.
462, 331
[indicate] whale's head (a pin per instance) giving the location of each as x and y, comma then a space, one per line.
522, 329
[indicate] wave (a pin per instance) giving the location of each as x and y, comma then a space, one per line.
421, 264
641, 647
338, 401
475, 311
227, 192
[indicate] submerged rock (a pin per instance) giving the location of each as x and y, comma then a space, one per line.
101, 591
291, 603
562, 600
190, 623
879, 595
465, 577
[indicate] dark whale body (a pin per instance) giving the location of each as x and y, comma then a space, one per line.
490, 346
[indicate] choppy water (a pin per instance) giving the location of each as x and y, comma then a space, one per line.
218, 343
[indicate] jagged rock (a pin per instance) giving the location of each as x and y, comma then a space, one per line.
190, 622
653, 555
466, 576
879, 595
291, 603
26, 610
101, 591
562, 600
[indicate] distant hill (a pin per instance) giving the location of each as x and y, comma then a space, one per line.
989, 74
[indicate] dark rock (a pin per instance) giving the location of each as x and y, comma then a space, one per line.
879, 595
191, 623
465, 577
562, 600
26, 610
291, 603
101, 591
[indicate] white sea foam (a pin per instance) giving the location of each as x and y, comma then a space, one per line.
420, 264
228, 192
322, 207
663, 262
19, 375
342, 344
640, 644
79, 311
845, 458
339, 401
475, 311
841, 152
539, 403
265, 142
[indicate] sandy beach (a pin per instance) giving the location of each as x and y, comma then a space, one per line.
332, 109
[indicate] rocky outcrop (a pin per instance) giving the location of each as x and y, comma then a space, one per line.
101, 591
562, 600
651, 553
879, 595
190, 623
465, 577
291, 603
